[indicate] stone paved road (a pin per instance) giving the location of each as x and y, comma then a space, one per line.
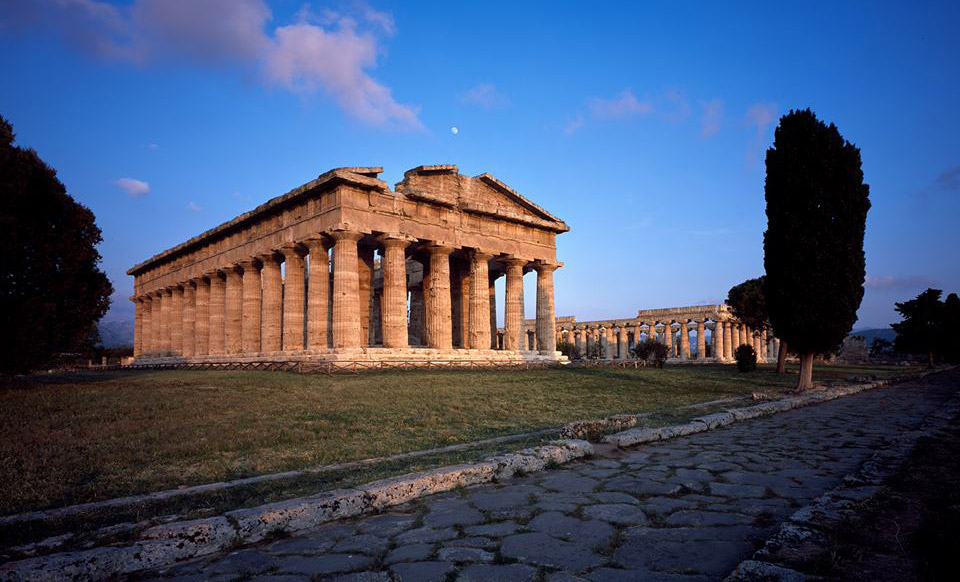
689, 509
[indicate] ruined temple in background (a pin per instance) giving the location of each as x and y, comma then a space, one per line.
344, 269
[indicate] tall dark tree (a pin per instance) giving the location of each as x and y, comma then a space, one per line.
52, 291
817, 207
951, 327
922, 329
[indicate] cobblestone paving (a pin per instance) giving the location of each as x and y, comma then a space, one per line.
689, 509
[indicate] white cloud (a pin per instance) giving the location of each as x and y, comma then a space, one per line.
760, 116
898, 283
331, 54
712, 116
624, 105
135, 188
193, 206
484, 95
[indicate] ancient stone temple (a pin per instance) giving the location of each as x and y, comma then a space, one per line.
343, 268
684, 331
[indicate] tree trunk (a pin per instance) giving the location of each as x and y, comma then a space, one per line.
930, 358
782, 358
806, 373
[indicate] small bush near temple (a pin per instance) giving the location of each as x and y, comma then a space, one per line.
746, 358
651, 352
568, 349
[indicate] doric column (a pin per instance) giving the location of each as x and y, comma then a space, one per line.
479, 300
294, 298
578, 337
166, 304
272, 280
318, 294
233, 311
189, 319
701, 339
763, 344
218, 313
145, 333
588, 340
252, 307
492, 291
365, 291
176, 320
727, 340
741, 337
394, 300
439, 322
622, 342
138, 327
611, 342
202, 315
684, 340
668, 337
652, 330
513, 305
602, 341
416, 329
546, 315
151, 322
717, 340
346, 289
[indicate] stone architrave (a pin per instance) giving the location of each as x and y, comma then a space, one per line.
233, 311
479, 300
439, 322
189, 320
294, 298
218, 313
394, 299
202, 316
701, 340
318, 294
546, 314
513, 307
272, 278
346, 290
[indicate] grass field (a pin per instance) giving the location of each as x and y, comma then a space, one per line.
84, 437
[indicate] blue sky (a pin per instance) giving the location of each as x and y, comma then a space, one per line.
642, 124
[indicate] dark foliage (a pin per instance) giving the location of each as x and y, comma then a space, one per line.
929, 326
651, 352
52, 291
568, 349
748, 302
746, 358
817, 208
881, 347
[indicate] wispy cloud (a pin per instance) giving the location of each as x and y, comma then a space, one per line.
759, 116
135, 188
898, 283
623, 105
331, 53
712, 117
484, 95
573, 125
194, 207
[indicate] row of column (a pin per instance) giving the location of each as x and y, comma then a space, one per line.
616, 343
248, 308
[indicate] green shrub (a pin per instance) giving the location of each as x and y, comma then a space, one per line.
651, 352
746, 358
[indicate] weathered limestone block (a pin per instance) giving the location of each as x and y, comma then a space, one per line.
396, 490
593, 430
257, 523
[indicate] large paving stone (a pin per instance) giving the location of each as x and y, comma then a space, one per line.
710, 557
323, 564
386, 525
464, 554
504, 497
591, 532
543, 550
568, 482
363, 544
421, 571
243, 562
409, 553
300, 545
425, 535
497, 573
497, 530
698, 518
737, 490
618, 513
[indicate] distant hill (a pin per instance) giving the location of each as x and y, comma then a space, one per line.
871, 334
116, 333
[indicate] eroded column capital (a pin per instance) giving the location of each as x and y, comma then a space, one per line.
345, 235
318, 244
477, 254
515, 262
546, 268
270, 256
395, 239
250, 263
